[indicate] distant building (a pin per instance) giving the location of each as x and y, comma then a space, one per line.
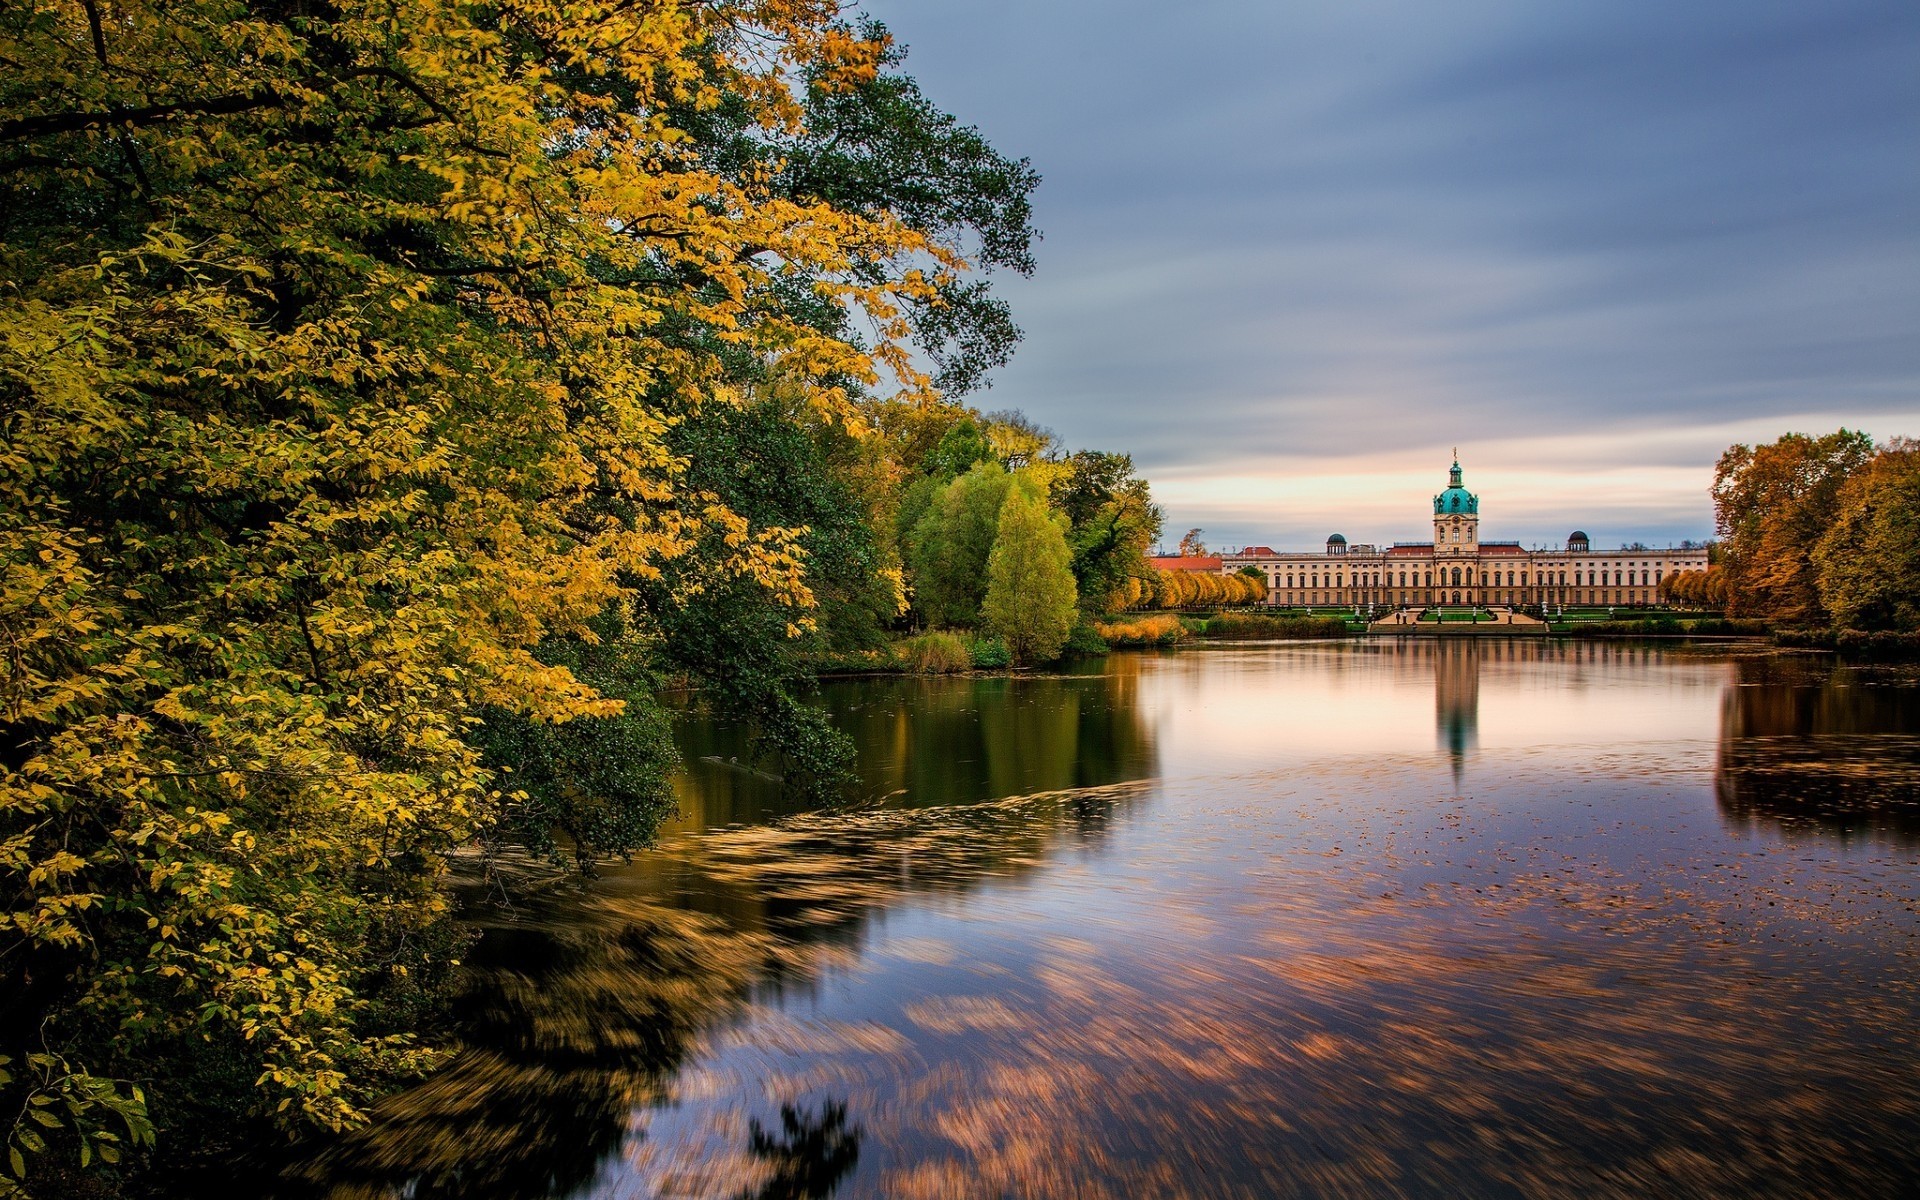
1456, 567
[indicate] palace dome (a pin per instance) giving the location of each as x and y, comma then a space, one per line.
1332, 538
1577, 540
1456, 499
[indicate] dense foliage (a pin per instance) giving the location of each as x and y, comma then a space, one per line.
1030, 595
1194, 589
950, 517
391, 395
1818, 532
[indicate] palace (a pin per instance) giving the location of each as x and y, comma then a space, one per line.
1457, 567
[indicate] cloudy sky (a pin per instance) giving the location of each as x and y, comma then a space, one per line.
1297, 250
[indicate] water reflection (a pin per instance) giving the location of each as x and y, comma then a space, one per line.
1456, 699
1806, 743
927, 741
576, 1013
1259, 943
809, 1157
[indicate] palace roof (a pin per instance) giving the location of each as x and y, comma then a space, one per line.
1185, 562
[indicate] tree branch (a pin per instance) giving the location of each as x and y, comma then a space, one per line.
22, 128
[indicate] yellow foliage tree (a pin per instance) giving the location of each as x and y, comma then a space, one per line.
337, 355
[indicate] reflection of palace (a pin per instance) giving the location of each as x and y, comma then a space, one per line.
1456, 699
1456, 567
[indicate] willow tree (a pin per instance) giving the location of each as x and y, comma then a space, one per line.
340, 348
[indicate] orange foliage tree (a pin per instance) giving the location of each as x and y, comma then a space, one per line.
1772, 504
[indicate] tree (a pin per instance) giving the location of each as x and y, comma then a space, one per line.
1772, 504
1019, 442
871, 143
1030, 598
960, 447
949, 546
1869, 561
340, 359
1113, 521
1191, 546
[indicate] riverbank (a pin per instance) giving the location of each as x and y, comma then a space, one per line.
954, 652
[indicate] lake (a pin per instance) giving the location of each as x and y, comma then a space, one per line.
1419, 918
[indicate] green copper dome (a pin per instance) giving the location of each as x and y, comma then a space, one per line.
1455, 499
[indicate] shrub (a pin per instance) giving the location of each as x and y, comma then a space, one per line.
1083, 641
989, 653
937, 653
1163, 630
1266, 625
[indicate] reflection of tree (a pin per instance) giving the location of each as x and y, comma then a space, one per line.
1804, 742
1456, 698
809, 1158
950, 740
816, 881
581, 1013
571, 1022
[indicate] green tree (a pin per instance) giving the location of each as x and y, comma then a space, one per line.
1772, 505
1030, 599
950, 544
876, 146
1112, 524
960, 447
1869, 561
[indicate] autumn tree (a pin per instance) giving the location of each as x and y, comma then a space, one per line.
1869, 560
1030, 600
1772, 505
342, 357
1191, 546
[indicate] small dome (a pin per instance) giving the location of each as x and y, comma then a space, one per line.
1456, 499
1336, 538
1577, 540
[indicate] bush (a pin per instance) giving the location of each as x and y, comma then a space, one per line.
937, 653
1266, 625
1083, 641
989, 653
1145, 631
1853, 643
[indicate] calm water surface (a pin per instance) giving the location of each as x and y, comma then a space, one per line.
1340, 919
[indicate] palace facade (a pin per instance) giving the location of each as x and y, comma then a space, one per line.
1457, 567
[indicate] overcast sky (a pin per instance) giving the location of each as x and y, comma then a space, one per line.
1295, 251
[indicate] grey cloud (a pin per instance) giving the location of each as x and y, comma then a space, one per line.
1319, 230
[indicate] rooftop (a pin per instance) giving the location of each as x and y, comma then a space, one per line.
1185, 562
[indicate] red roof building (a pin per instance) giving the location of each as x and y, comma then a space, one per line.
1185, 562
